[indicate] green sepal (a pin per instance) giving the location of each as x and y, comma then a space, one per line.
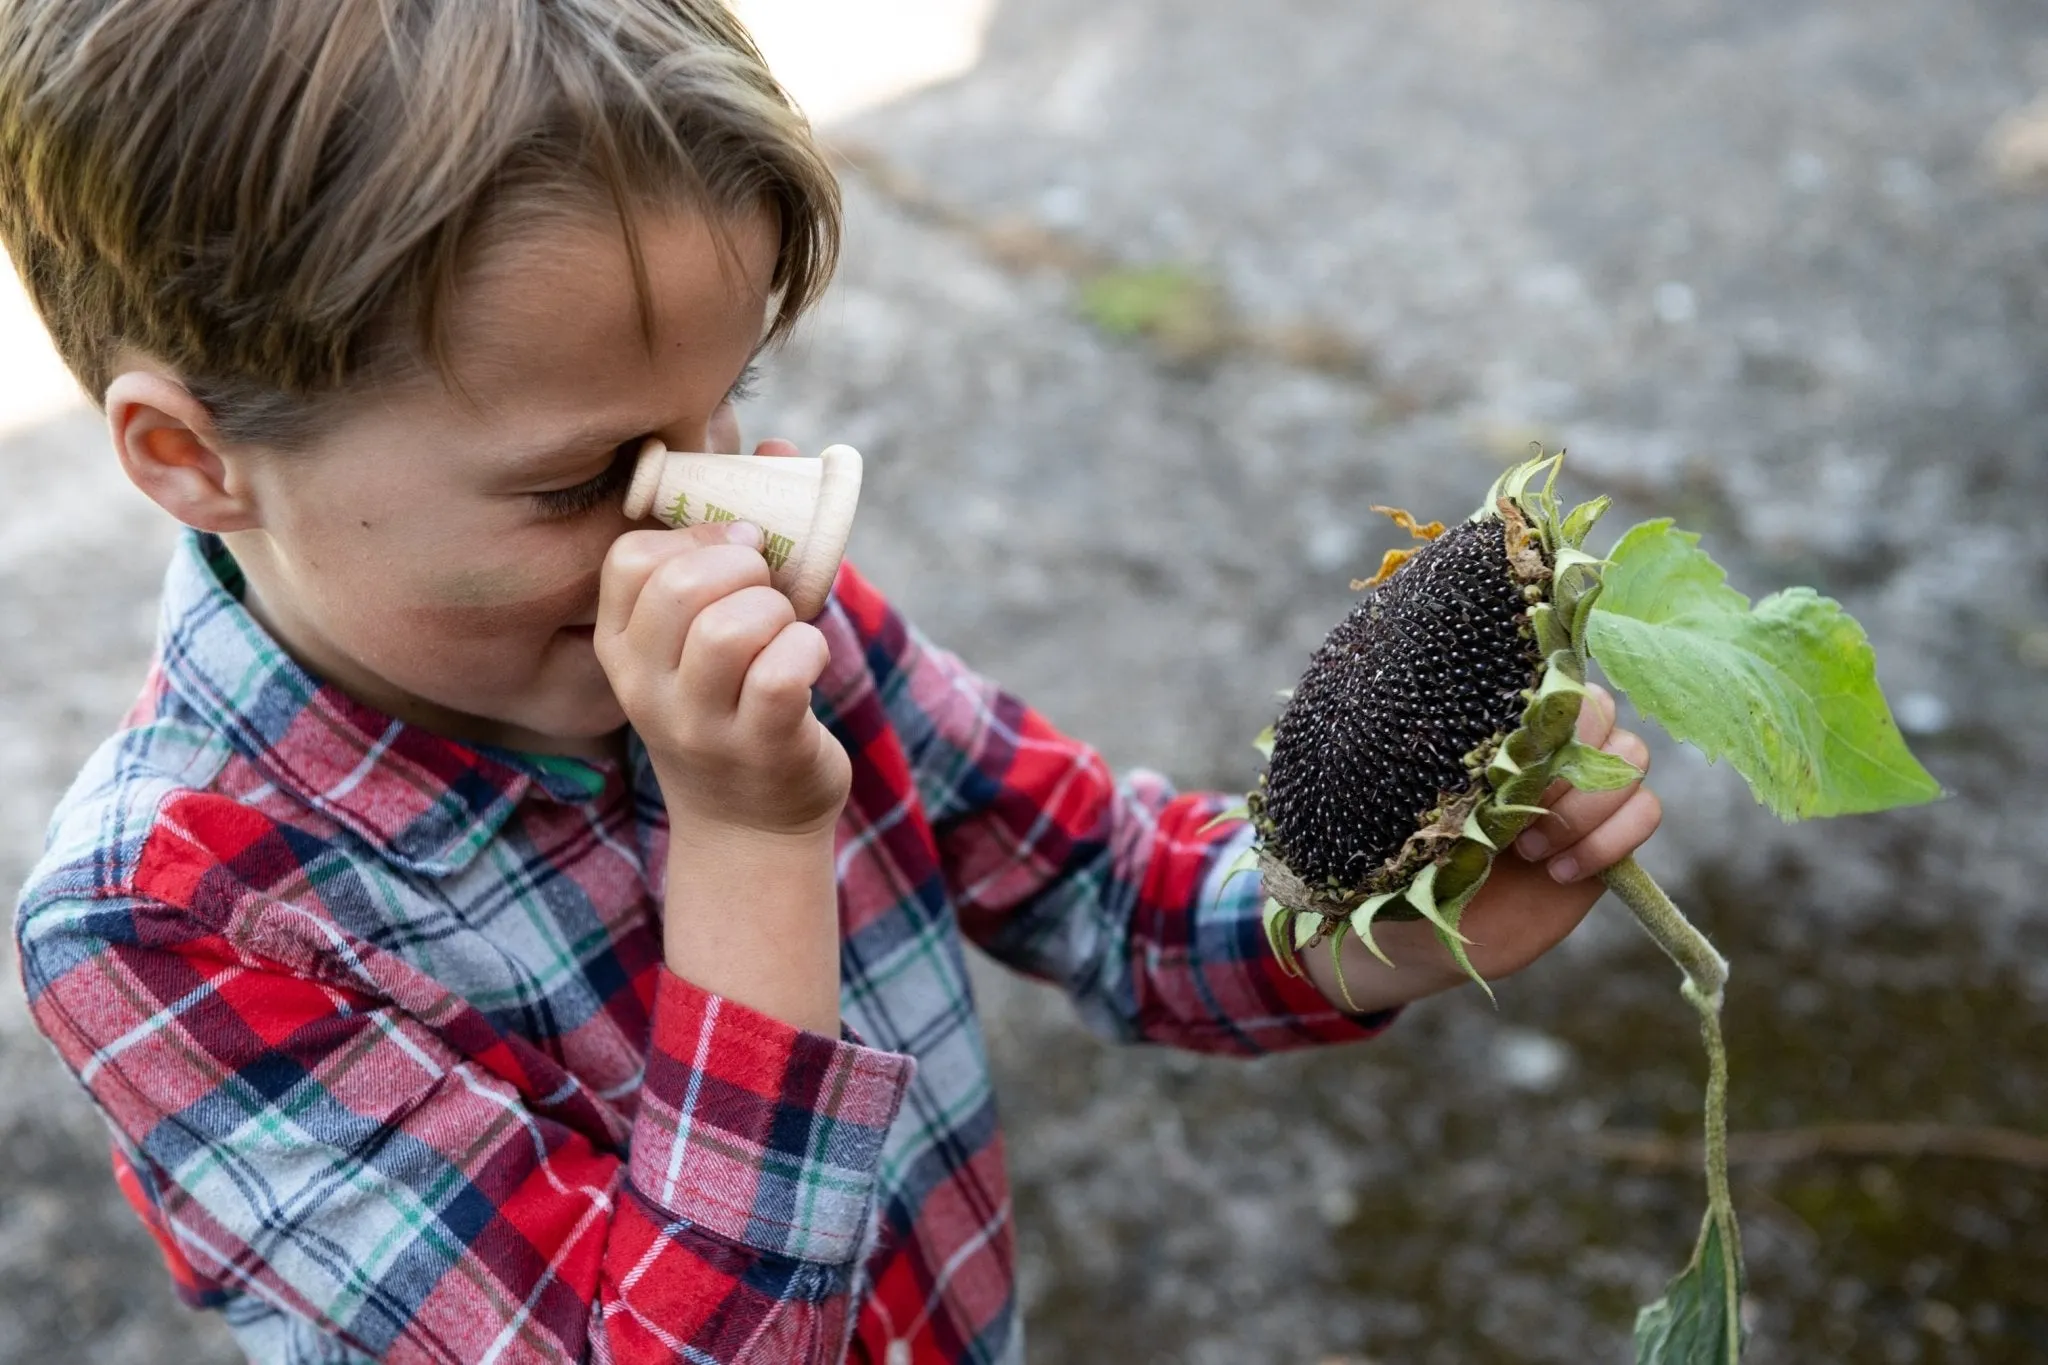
1582, 615
1476, 832
1572, 558
1575, 574
1264, 743
1527, 788
1503, 769
1279, 923
1337, 964
1553, 715
1582, 519
1240, 811
1460, 873
1247, 861
1422, 895
1551, 630
1461, 876
1513, 484
1504, 822
1526, 747
1362, 918
1456, 944
1306, 927
1503, 808
1594, 770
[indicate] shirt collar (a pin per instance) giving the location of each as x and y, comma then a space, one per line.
426, 802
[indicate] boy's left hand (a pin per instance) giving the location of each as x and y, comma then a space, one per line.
1540, 888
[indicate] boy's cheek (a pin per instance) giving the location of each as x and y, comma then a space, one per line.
482, 603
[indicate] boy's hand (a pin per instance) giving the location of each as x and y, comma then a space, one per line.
1539, 890
714, 670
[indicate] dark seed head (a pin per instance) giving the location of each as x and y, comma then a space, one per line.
1427, 667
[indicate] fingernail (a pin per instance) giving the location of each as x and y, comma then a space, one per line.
744, 533
1565, 869
1531, 845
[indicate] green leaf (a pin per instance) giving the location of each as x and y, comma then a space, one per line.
1698, 1321
1594, 770
1786, 692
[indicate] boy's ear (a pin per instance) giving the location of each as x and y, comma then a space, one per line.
168, 446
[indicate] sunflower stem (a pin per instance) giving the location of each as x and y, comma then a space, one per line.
1706, 973
1702, 964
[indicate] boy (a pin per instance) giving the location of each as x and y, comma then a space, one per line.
500, 931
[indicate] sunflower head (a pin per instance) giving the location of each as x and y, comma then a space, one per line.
1430, 722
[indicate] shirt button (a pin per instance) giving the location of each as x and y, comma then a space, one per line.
898, 1353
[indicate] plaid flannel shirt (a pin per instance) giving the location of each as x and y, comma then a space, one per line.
394, 1069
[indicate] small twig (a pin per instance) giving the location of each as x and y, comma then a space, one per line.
2003, 1145
1012, 243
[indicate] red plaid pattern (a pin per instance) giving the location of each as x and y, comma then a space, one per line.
394, 1070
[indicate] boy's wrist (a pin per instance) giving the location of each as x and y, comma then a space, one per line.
702, 805
734, 839
1369, 985
752, 915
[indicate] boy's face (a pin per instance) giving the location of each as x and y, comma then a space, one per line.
437, 555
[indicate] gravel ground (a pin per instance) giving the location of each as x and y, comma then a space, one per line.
1752, 264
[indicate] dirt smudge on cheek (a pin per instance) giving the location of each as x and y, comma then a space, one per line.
481, 603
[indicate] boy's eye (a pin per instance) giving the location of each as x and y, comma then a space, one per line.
560, 504
743, 388
574, 501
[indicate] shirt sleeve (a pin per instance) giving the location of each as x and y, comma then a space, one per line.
1109, 886
352, 1177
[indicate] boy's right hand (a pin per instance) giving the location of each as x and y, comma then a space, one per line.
714, 671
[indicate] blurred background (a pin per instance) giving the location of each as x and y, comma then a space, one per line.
1145, 302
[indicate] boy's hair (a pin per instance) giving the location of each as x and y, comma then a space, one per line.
277, 198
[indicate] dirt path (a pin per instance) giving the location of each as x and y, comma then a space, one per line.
1754, 264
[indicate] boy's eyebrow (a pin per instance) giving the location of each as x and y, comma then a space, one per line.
602, 434
544, 455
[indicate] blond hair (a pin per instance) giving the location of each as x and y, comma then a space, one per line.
278, 198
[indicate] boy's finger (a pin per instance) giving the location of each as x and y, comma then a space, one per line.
679, 590
633, 559
1614, 839
724, 640
776, 695
775, 445
1574, 813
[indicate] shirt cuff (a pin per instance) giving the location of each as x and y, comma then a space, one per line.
761, 1133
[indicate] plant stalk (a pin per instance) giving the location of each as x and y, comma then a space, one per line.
1706, 973
1704, 967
